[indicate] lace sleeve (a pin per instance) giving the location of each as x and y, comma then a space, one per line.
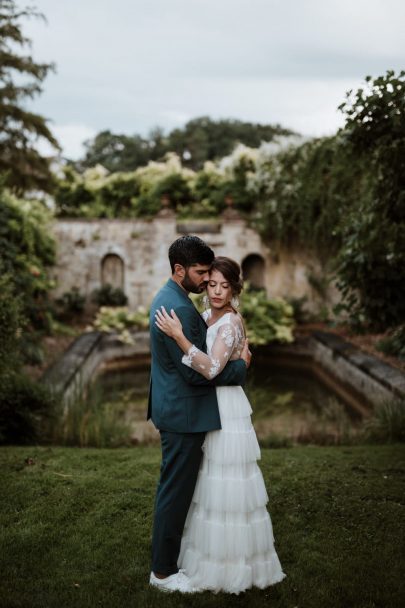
212, 365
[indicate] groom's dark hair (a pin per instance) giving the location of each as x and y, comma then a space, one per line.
189, 250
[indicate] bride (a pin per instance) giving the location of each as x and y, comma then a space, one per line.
227, 543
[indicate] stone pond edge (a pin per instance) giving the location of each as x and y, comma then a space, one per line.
367, 376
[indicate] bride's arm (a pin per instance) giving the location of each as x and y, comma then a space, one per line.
207, 365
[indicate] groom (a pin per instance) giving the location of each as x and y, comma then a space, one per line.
182, 405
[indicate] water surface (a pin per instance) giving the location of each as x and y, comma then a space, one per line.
288, 405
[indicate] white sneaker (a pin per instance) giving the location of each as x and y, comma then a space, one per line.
175, 582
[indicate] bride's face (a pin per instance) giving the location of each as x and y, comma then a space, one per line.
219, 290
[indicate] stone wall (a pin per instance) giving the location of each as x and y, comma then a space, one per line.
132, 254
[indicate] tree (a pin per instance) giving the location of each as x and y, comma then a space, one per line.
201, 139
27, 251
115, 152
372, 260
20, 129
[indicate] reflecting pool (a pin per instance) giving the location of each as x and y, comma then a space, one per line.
289, 405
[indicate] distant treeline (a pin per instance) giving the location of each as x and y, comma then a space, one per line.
200, 140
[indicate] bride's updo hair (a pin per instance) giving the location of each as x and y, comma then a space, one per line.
231, 271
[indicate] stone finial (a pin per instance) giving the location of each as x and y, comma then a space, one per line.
230, 213
165, 209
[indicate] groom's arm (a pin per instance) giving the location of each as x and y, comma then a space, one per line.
234, 372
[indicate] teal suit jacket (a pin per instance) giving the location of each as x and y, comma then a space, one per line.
180, 399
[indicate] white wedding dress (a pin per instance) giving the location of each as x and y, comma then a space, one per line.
228, 542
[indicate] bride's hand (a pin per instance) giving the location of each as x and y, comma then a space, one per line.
170, 325
246, 355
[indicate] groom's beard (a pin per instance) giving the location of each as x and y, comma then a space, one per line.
189, 285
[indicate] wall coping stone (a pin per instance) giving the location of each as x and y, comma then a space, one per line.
198, 226
90, 349
391, 377
61, 373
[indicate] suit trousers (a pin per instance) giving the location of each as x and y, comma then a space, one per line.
181, 458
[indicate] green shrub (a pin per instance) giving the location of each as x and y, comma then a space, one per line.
27, 409
70, 304
11, 325
298, 306
120, 320
174, 186
118, 194
31, 349
204, 209
209, 193
147, 205
71, 199
305, 190
124, 194
387, 423
394, 344
90, 421
107, 295
267, 319
27, 251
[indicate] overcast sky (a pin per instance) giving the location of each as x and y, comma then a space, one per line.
129, 65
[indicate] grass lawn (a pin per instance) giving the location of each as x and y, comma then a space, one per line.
76, 528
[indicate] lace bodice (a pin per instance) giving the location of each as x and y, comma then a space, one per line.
225, 340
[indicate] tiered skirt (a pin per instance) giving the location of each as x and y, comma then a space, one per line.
228, 542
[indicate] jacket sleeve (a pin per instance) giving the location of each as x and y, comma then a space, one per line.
234, 373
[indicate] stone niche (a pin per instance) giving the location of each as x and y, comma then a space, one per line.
132, 254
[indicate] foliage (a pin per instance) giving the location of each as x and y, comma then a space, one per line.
107, 295
209, 192
90, 421
73, 195
25, 406
372, 259
11, 324
70, 303
387, 424
27, 251
394, 344
238, 168
300, 315
122, 321
266, 319
344, 198
25, 167
176, 187
26, 409
201, 139
118, 194
115, 152
304, 190
96, 194
135, 194
17, 343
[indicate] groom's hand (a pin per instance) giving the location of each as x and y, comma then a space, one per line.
245, 354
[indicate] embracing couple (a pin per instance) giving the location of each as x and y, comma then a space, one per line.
211, 528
